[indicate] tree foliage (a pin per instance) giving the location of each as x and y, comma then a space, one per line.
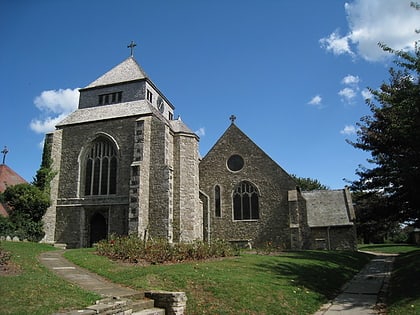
308, 183
45, 173
26, 206
392, 136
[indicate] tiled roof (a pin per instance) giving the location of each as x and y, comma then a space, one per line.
107, 112
178, 126
329, 207
128, 70
9, 177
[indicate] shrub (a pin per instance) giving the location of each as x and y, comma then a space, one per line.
4, 257
133, 249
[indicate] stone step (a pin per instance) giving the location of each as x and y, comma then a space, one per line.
138, 295
143, 304
60, 245
150, 311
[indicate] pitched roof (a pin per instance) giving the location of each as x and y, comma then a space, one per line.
90, 114
178, 126
329, 207
128, 70
9, 177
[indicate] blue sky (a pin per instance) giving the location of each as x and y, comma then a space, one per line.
294, 73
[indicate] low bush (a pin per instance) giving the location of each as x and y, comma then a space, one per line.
134, 250
4, 257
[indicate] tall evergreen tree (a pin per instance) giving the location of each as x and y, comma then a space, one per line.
45, 173
392, 136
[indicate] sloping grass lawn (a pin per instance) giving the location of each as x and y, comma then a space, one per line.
287, 283
404, 294
32, 289
389, 248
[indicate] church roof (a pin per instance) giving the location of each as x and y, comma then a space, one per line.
178, 126
90, 114
9, 177
128, 70
329, 207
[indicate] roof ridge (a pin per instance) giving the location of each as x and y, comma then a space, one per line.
127, 70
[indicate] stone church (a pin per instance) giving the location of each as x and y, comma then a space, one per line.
124, 165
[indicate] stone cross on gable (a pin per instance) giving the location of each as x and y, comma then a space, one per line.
131, 46
232, 118
5, 151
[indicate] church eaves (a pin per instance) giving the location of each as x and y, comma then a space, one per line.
128, 70
112, 111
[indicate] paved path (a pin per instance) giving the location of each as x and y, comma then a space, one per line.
83, 278
364, 294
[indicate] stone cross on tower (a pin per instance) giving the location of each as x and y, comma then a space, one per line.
5, 151
232, 118
131, 46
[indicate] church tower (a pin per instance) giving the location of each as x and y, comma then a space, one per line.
124, 165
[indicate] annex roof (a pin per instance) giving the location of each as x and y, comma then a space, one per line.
329, 207
178, 126
128, 70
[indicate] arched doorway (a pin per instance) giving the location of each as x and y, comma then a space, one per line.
98, 228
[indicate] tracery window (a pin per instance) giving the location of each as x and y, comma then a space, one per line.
245, 202
100, 168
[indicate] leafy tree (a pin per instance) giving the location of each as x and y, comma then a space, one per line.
309, 183
27, 205
372, 221
391, 134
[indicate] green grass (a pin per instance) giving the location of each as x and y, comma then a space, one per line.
34, 289
289, 283
388, 248
404, 292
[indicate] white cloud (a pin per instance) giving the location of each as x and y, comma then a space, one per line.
350, 80
367, 94
316, 101
392, 22
347, 94
58, 101
201, 132
336, 44
349, 130
54, 105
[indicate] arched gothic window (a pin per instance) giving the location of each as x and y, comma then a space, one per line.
100, 168
245, 202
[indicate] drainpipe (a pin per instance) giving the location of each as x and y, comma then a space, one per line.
328, 237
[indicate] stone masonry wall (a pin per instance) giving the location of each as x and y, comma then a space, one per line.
160, 220
54, 141
131, 91
272, 182
188, 214
75, 139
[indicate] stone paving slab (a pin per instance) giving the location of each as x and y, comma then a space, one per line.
89, 281
360, 295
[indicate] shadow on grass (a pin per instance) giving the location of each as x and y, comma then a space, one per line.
404, 291
320, 271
